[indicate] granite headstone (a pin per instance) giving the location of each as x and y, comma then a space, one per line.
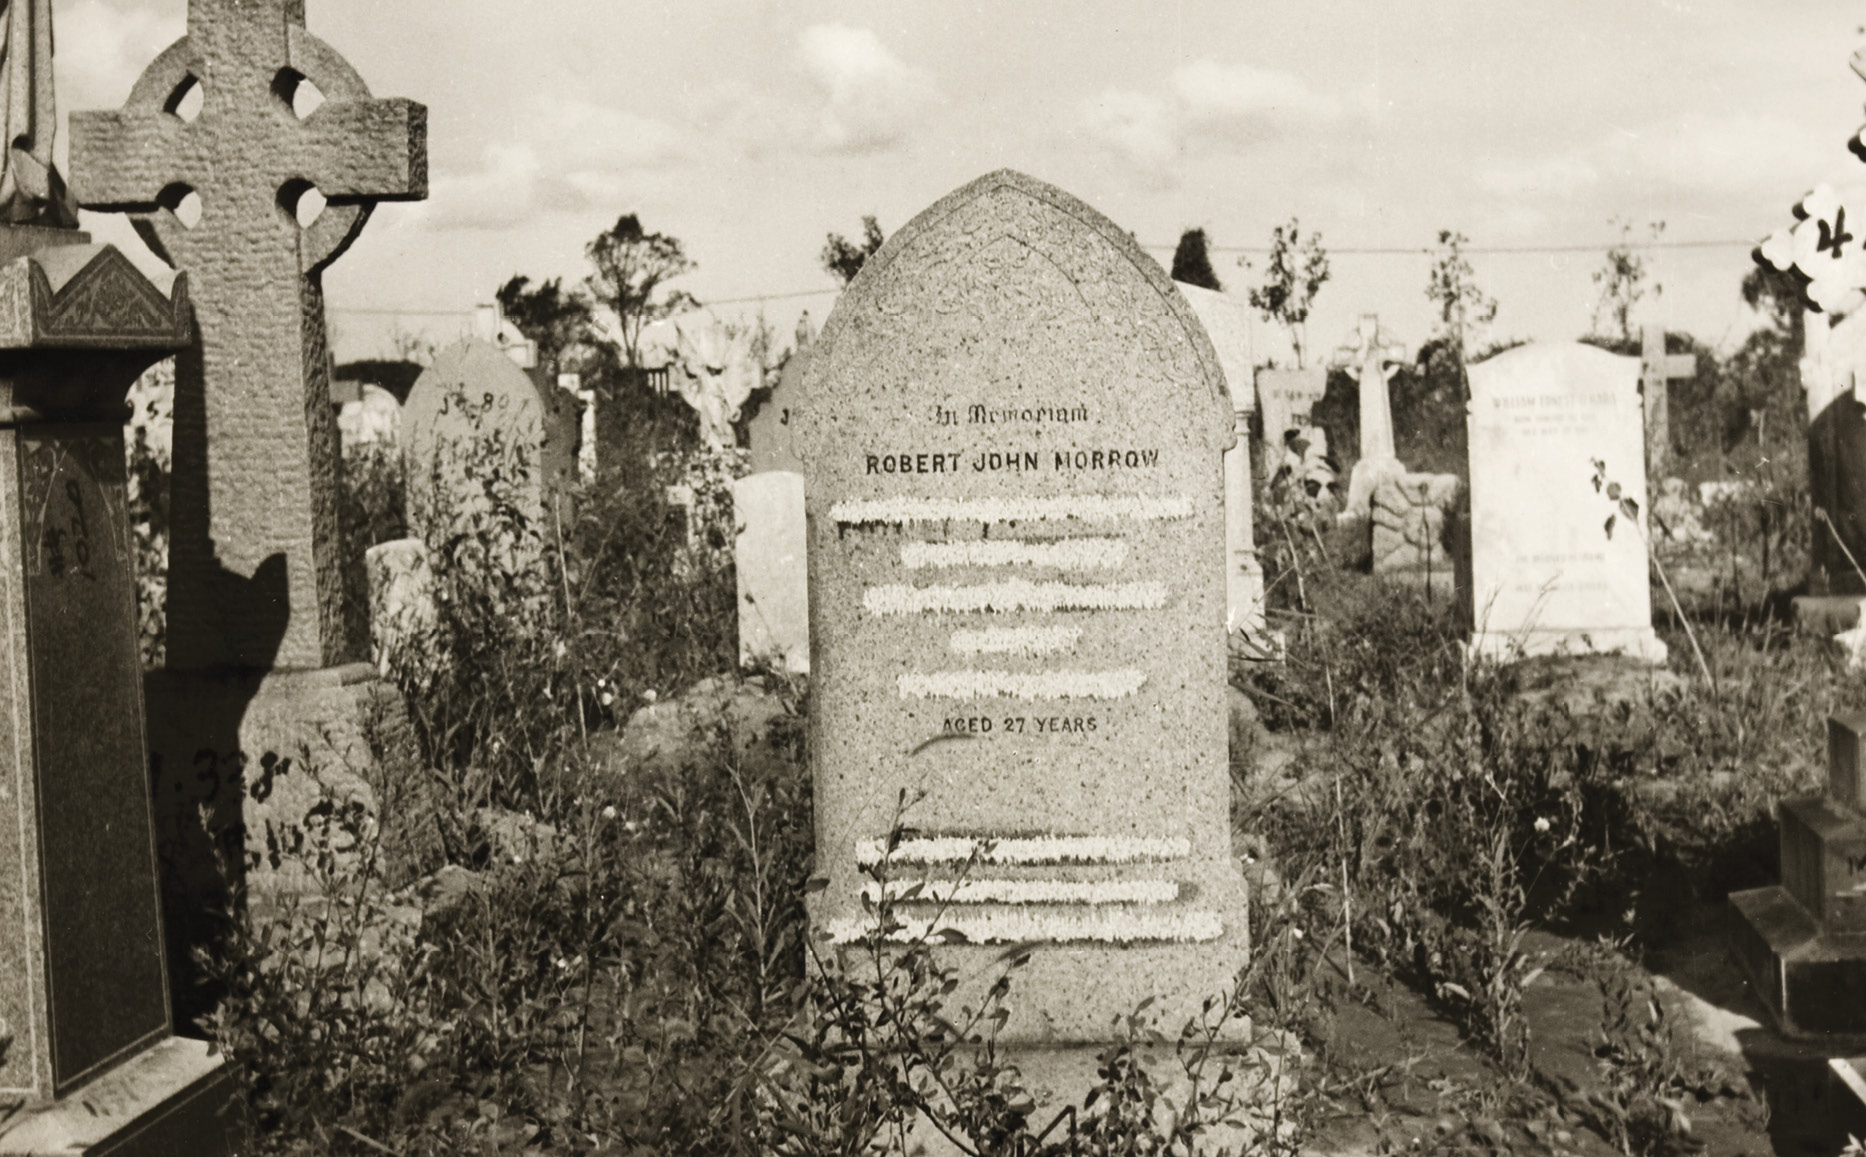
1014, 441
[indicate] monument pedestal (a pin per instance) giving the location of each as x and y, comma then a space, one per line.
174, 1100
254, 751
1802, 943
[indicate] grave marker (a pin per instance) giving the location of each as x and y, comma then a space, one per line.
1014, 445
253, 201
1657, 371
770, 436
1372, 358
1284, 399
769, 556
1547, 577
1228, 326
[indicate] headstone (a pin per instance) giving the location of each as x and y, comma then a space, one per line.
1372, 357
475, 420
774, 587
1657, 371
490, 325
1284, 399
1548, 575
769, 437
1803, 942
264, 655
1831, 370
1414, 518
572, 384
374, 419
402, 614
90, 1061
1228, 326
1014, 439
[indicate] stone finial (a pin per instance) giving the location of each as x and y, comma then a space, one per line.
31, 191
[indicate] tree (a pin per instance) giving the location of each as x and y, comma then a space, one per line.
844, 258
1463, 309
1298, 270
631, 268
559, 320
1192, 263
1623, 285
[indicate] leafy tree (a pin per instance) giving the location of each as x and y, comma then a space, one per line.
559, 320
1298, 270
1192, 264
632, 268
844, 258
1623, 281
1463, 309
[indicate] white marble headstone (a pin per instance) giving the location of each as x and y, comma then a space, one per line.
1546, 575
774, 587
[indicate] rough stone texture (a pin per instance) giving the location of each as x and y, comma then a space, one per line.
1412, 517
773, 581
253, 570
473, 416
1013, 414
672, 734
1547, 578
401, 601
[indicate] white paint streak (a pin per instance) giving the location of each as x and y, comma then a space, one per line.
1065, 554
972, 683
1024, 850
1017, 926
1079, 507
1014, 594
1027, 891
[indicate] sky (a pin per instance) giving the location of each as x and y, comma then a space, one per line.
751, 129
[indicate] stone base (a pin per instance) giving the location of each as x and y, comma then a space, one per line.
1438, 583
235, 754
173, 1100
1640, 643
1827, 614
1813, 983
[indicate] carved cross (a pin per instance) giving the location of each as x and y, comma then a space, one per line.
223, 176
1657, 371
1373, 358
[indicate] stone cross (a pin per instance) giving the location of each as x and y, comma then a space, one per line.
230, 191
1370, 357
31, 192
1657, 371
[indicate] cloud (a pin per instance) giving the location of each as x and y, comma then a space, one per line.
1557, 176
102, 49
1207, 105
572, 155
868, 98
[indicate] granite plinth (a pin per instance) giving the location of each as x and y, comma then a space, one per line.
1824, 861
173, 1100
1812, 982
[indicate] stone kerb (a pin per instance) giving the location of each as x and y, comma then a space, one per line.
1014, 435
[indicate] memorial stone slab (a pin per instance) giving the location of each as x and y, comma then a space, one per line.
1371, 356
473, 416
1284, 399
1548, 577
1228, 327
1014, 443
773, 581
83, 992
1658, 370
769, 436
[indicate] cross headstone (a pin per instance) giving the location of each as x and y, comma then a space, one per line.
1014, 437
1373, 358
1657, 371
1803, 942
1549, 574
254, 463
233, 172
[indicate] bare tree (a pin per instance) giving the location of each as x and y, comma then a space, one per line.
631, 269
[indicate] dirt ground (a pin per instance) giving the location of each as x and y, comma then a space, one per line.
1403, 1081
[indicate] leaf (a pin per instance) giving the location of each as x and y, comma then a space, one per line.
1613, 491
1609, 526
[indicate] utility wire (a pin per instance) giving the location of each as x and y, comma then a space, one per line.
1256, 250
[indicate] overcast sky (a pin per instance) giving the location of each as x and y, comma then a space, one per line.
750, 129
